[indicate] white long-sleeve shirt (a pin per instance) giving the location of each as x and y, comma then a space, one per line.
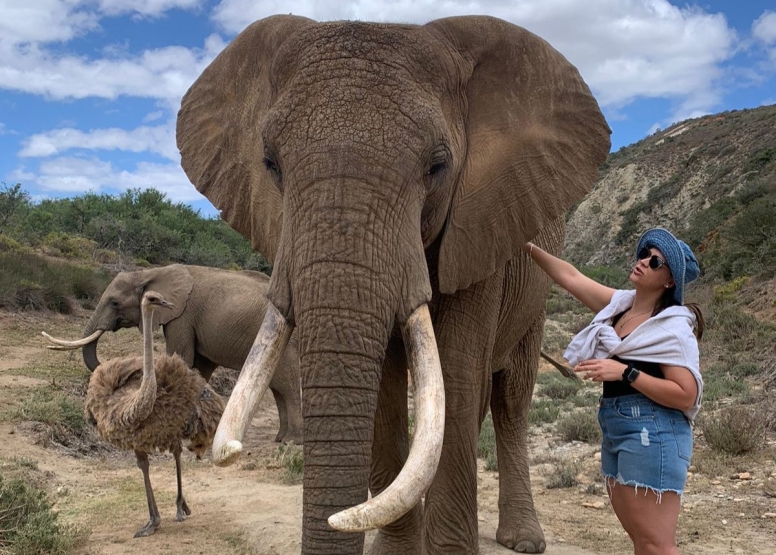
666, 338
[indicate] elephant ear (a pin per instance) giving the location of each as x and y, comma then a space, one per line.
219, 132
536, 138
175, 283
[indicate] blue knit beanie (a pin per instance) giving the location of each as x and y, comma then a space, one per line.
679, 257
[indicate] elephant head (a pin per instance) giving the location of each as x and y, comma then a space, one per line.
119, 306
373, 165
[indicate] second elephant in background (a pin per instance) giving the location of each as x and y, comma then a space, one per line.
216, 317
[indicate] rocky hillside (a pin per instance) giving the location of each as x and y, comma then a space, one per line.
702, 178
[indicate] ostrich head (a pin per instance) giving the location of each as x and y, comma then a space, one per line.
152, 299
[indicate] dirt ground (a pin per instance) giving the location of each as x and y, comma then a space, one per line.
251, 509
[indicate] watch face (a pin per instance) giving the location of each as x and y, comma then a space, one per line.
632, 375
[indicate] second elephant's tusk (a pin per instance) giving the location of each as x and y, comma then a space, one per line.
256, 373
73, 344
419, 469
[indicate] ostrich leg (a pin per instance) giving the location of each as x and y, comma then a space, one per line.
183, 508
154, 519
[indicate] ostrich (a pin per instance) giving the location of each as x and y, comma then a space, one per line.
145, 405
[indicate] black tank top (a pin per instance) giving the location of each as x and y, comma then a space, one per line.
619, 388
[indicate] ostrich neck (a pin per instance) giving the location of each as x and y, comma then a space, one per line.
145, 398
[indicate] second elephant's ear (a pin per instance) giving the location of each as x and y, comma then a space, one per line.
175, 283
219, 132
535, 137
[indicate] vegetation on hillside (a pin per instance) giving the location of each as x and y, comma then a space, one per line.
58, 253
144, 226
711, 180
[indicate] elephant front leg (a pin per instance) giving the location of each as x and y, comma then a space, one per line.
389, 451
465, 326
518, 526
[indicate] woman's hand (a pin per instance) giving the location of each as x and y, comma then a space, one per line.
601, 369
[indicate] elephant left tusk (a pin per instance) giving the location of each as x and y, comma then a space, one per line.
256, 373
419, 469
73, 344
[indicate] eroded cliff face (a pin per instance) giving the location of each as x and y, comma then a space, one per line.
668, 178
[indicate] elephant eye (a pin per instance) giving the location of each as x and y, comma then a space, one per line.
114, 303
274, 170
436, 168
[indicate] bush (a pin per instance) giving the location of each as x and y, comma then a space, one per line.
486, 444
54, 408
28, 526
543, 411
734, 430
564, 474
29, 281
719, 387
291, 458
559, 388
580, 426
72, 246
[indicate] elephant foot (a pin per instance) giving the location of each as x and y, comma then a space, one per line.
296, 439
527, 537
148, 529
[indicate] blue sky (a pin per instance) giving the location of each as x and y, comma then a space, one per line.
89, 89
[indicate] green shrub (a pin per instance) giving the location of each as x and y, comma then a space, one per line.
543, 411
486, 443
72, 246
580, 426
559, 387
28, 526
55, 408
291, 458
29, 281
564, 474
719, 387
611, 276
7, 244
745, 369
734, 430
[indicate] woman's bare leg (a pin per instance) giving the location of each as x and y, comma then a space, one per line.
650, 524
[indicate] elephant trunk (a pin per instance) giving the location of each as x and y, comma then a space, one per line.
89, 351
341, 356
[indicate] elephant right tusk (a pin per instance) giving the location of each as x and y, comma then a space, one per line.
73, 344
419, 469
256, 373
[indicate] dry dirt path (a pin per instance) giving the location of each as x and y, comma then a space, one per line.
248, 509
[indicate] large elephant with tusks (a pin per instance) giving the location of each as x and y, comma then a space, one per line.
391, 173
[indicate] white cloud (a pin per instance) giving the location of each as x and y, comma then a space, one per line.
157, 139
24, 21
72, 175
163, 73
764, 28
42, 21
153, 8
625, 49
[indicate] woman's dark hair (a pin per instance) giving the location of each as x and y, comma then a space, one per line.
667, 299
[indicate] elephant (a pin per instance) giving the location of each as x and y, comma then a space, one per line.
213, 323
392, 174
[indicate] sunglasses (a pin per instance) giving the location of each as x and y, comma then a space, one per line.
654, 260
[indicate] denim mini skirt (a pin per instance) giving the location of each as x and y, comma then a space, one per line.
644, 445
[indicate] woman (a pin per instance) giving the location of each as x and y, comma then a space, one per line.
642, 345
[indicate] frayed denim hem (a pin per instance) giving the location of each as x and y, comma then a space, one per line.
610, 481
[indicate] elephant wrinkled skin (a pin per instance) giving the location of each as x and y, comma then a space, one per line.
215, 318
381, 167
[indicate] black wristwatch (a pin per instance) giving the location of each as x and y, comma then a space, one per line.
630, 374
